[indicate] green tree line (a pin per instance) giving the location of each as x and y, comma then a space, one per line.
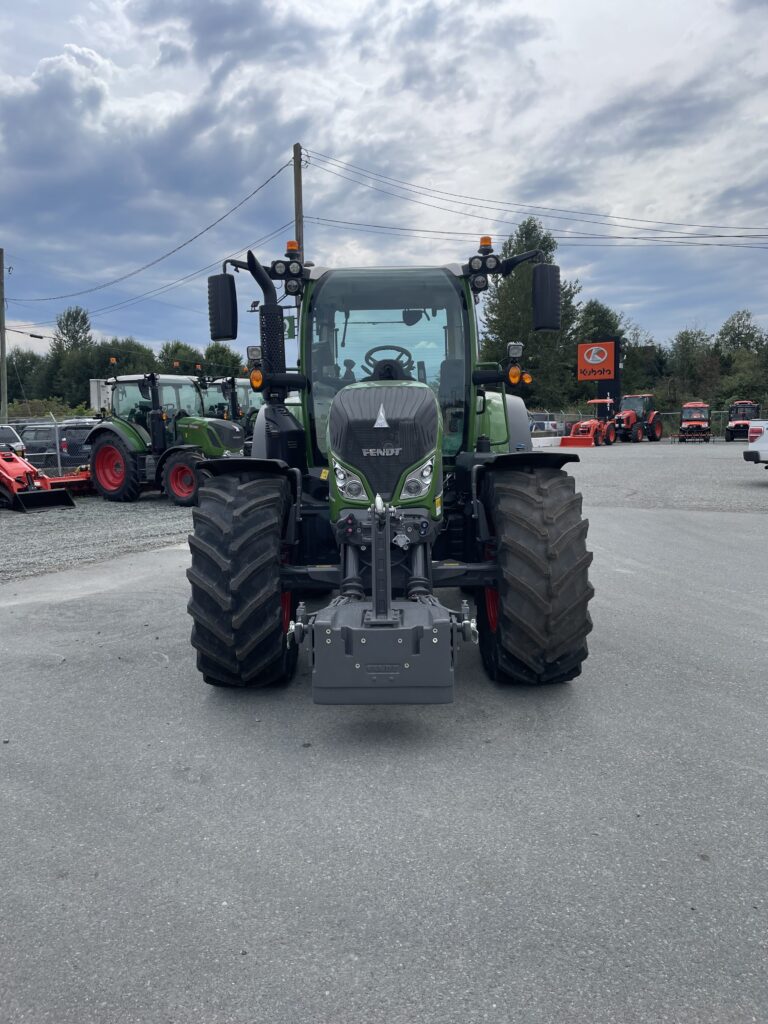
74, 357
718, 368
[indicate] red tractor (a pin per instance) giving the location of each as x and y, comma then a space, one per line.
601, 429
739, 415
637, 417
24, 488
695, 422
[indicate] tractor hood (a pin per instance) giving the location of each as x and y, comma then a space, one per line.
381, 429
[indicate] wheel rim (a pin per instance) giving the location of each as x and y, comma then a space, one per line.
109, 466
657, 428
181, 480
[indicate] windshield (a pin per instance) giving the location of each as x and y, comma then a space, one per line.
179, 396
417, 322
695, 414
744, 412
214, 402
8, 435
247, 398
633, 403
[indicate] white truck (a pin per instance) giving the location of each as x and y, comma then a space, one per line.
757, 442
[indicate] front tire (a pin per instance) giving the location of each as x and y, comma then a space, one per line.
533, 626
637, 432
180, 478
728, 435
239, 612
655, 430
114, 470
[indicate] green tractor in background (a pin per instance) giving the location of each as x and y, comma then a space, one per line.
155, 436
405, 467
231, 398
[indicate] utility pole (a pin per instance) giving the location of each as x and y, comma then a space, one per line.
298, 203
3, 358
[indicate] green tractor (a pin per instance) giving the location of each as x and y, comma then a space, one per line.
231, 398
404, 468
155, 436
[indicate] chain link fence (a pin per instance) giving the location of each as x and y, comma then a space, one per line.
56, 446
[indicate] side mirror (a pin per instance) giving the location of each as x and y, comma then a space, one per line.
222, 307
546, 297
411, 317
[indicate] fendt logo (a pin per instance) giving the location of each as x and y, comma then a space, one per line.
382, 451
596, 354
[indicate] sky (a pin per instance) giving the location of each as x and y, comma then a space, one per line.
129, 126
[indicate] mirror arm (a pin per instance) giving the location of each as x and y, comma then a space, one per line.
509, 264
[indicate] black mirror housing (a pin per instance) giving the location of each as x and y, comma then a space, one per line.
546, 297
222, 307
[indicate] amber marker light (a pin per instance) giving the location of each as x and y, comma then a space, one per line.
514, 375
527, 378
257, 380
485, 240
292, 246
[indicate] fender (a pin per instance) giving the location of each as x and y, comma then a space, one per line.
245, 466
539, 458
162, 459
131, 434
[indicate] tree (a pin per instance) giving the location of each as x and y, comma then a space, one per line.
550, 355
691, 351
73, 330
131, 356
740, 333
24, 367
186, 356
220, 360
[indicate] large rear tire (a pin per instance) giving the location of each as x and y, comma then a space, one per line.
655, 429
533, 627
240, 615
114, 470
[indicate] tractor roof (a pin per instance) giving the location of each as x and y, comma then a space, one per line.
452, 268
743, 401
161, 378
646, 395
696, 405
600, 401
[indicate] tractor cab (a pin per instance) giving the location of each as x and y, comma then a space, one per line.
695, 422
637, 418
220, 398
739, 415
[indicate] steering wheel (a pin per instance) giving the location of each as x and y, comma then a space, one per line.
403, 358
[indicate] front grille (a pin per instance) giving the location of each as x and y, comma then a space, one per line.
412, 416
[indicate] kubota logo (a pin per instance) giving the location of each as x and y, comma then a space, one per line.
596, 354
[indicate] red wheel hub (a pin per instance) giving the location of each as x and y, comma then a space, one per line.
109, 466
285, 604
492, 607
181, 480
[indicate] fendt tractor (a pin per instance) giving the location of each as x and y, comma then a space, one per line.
695, 422
231, 398
155, 436
637, 418
739, 416
405, 469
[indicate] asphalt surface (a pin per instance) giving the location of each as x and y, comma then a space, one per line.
596, 852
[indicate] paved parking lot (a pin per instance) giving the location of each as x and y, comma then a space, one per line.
596, 852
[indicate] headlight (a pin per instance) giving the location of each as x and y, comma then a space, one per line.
418, 483
349, 484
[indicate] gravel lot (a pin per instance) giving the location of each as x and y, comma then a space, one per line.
706, 477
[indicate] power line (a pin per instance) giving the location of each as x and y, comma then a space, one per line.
171, 252
611, 241
161, 289
594, 218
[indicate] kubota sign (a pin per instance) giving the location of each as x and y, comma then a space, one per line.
596, 360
